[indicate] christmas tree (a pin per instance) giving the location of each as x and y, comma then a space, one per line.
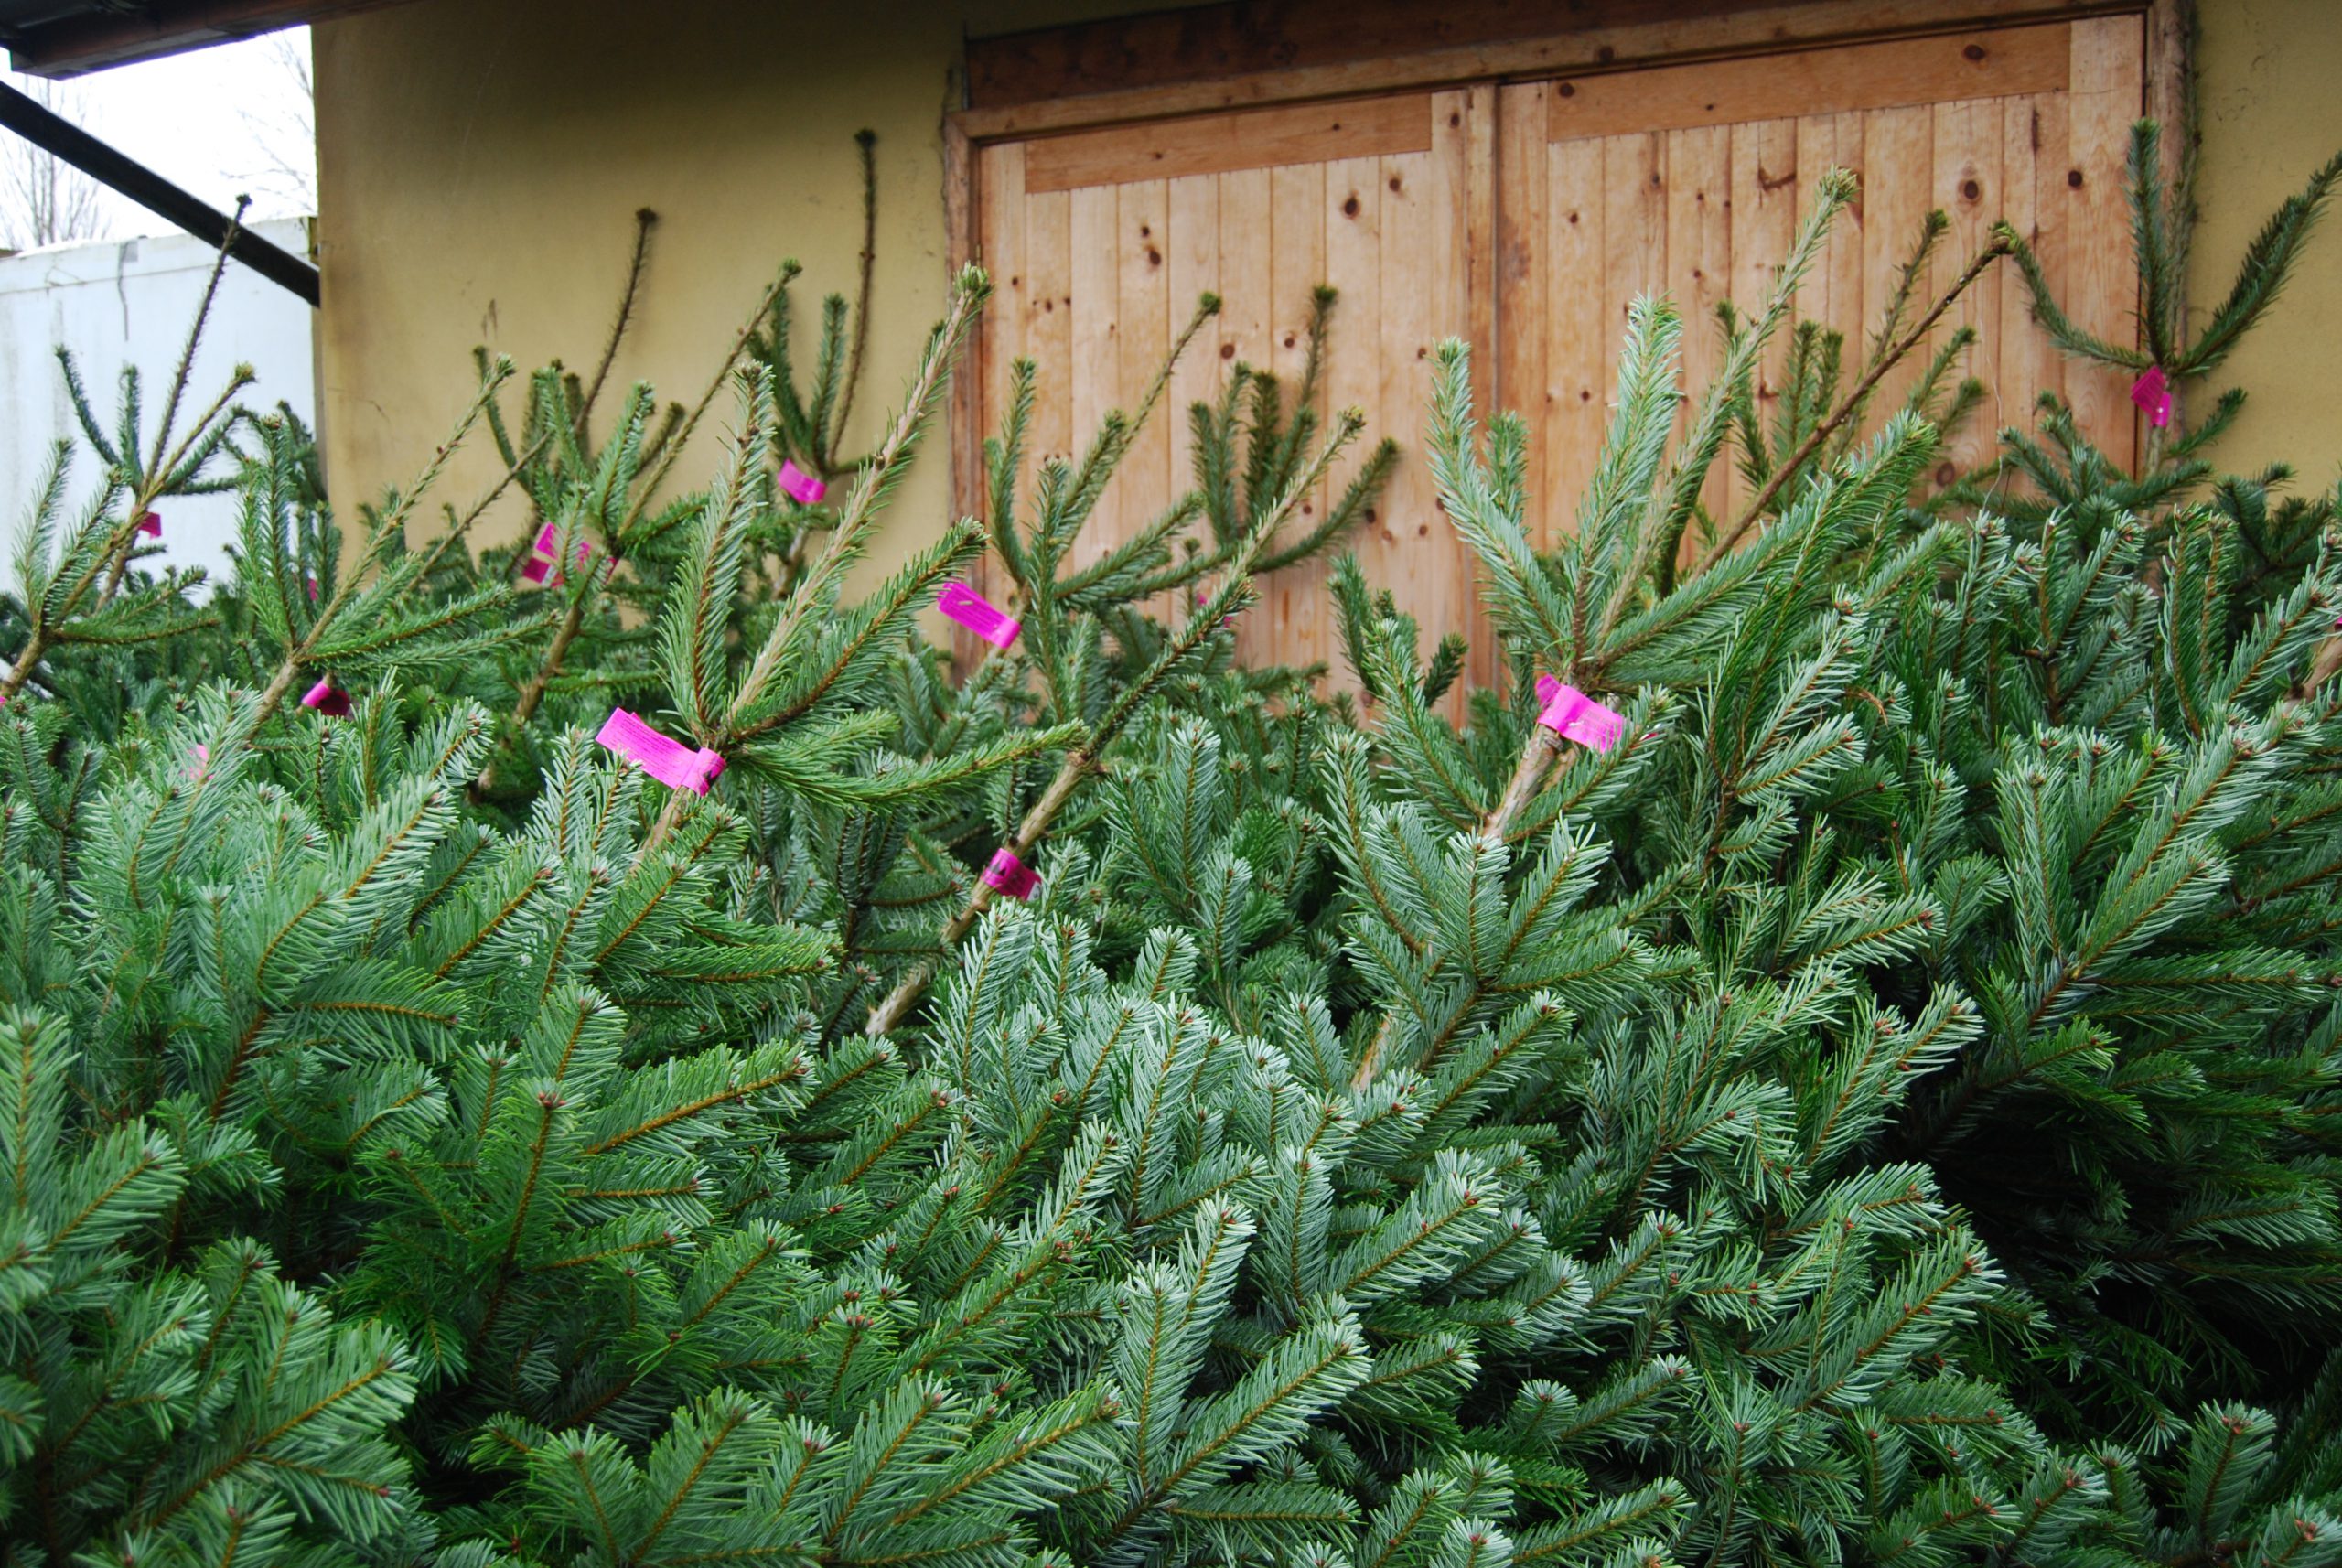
618, 1050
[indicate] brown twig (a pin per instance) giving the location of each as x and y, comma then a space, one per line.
2323, 666
890, 1013
868, 141
644, 219
463, 525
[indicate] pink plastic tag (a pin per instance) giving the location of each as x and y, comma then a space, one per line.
979, 615
2153, 394
803, 487
1574, 716
677, 766
538, 568
1547, 690
327, 699
1010, 876
313, 590
151, 525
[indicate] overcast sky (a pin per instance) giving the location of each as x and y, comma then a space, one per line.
220, 121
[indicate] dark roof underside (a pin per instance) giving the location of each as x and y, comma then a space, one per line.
68, 37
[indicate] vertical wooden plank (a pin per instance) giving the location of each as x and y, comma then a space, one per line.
1405, 544
1899, 159
1354, 237
2169, 28
1289, 610
1581, 331
1049, 325
965, 184
1445, 215
1094, 340
1835, 291
1195, 272
1968, 187
1479, 175
1143, 315
1634, 236
1001, 249
1699, 268
1479, 305
1523, 313
2101, 288
1767, 178
2028, 362
963, 240
2045, 231
1244, 269
1002, 252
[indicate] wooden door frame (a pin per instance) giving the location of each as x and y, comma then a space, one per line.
1219, 79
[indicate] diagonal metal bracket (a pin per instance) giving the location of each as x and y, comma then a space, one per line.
54, 134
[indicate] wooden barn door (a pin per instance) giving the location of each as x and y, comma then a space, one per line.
1099, 242
1525, 217
1689, 181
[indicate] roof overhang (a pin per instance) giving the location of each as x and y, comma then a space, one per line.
70, 38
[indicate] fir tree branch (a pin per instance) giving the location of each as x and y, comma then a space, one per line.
1084, 760
2001, 243
672, 447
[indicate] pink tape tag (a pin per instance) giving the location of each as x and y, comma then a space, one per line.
2153, 394
803, 487
313, 590
979, 615
540, 568
677, 766
327, 699
1574, 716
151, 525
1010, 876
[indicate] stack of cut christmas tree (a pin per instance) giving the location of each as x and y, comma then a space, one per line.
618, 1050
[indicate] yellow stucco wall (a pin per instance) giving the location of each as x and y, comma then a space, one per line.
2267, 71
480, 162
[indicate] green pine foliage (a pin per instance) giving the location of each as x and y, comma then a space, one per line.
1880, 1111
2159, 190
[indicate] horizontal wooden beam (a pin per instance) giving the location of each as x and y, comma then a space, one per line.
1248, 36
1219, 144
1259, 53
74, 46
2000, 62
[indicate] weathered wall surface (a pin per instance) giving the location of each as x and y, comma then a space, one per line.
480, 166
2267, 75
